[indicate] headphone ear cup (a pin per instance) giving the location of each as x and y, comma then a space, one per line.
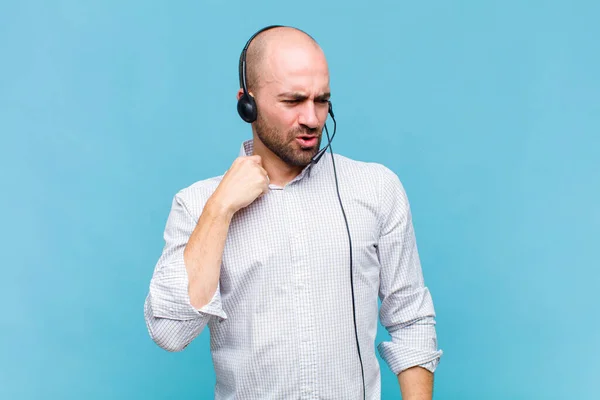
247, 108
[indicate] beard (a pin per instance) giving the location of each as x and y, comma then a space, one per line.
284, 144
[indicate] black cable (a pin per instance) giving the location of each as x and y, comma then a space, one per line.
362, 370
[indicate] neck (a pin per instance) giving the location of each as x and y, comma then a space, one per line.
279, 172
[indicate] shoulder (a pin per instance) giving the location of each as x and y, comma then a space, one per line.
373, 183
195, 196
366, 171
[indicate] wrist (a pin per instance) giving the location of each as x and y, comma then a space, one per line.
217, 207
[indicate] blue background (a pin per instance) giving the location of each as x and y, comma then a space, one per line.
489, 112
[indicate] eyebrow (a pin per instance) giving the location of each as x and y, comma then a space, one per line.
301, 96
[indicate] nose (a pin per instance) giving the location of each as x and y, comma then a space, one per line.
308, 115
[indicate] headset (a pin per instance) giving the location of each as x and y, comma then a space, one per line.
248, 111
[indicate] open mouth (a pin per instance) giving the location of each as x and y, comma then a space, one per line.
307, 141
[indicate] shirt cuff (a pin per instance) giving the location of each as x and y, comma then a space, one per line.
173, 302
214, 306
399, 357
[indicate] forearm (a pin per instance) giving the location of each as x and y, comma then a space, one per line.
204, 251
416, 383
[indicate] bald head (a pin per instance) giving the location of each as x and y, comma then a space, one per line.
267, 46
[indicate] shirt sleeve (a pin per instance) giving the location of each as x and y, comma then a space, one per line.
406, 310
171, 319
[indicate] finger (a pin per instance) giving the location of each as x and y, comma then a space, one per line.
256, 158
264, 171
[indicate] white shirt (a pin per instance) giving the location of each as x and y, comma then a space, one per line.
281, 324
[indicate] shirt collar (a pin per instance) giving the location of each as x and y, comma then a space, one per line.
247, 149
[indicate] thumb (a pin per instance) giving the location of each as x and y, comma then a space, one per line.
256, 158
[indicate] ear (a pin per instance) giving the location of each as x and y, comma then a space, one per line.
240, 93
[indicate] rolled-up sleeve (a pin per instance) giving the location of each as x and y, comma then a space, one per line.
171, 319
406, 310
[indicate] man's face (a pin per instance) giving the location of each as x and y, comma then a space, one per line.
293, 104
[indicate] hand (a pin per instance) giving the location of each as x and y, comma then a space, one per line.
244, 182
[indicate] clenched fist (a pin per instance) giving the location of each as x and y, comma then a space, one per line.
243, 183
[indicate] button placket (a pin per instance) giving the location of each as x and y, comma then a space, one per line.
303, 294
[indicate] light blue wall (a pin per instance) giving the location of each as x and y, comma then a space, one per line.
489, 111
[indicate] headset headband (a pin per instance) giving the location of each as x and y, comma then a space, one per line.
242, 65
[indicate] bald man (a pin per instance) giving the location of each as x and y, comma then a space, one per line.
261, 254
